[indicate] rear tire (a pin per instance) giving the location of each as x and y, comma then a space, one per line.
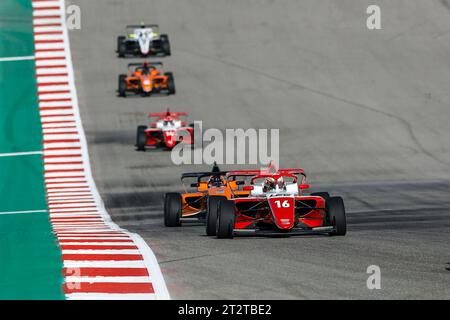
141, 138
226, 219
336, 216
170, 83
121, 46
211, 214
172, 209
166, 44
123, 85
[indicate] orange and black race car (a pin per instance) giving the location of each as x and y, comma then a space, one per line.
198, 206
146, 79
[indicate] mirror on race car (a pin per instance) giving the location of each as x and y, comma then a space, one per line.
304, 186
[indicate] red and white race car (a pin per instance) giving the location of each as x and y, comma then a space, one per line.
166, 130
276, 205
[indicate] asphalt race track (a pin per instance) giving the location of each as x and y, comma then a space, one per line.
366, 113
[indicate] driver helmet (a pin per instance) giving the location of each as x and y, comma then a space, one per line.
215, 181
281, 184
269, 184
168, 121
145, 67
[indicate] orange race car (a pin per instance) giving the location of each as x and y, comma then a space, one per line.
146, 79
198, 206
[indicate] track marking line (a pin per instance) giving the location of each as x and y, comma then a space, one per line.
24, 212
7, 59
17, 154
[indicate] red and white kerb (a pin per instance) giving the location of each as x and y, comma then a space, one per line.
101, 260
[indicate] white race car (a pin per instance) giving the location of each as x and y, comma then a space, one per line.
143, 40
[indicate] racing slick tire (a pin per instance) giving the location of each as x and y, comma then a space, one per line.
121, 46
324, 195
165, 44
225, 220
172, 209
336, 216
122, 85
211, 214
141, 138
170, 83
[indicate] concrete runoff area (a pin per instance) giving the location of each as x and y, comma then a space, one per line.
364, 112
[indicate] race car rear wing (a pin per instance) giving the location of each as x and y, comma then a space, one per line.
294, 171
162, 115
136, 26
200, 175
137, 64
242, 173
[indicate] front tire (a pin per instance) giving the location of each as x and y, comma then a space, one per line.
121, 46
141, 138
170, 83
212, 205
226, 220
173, 206
123, 85
336, 216
166, 45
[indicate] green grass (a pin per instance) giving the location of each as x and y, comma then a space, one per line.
30, 259
20, 128
16, 38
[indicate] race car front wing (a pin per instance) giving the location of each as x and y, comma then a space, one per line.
292, 232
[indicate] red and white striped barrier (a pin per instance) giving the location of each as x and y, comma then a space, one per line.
101, 260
